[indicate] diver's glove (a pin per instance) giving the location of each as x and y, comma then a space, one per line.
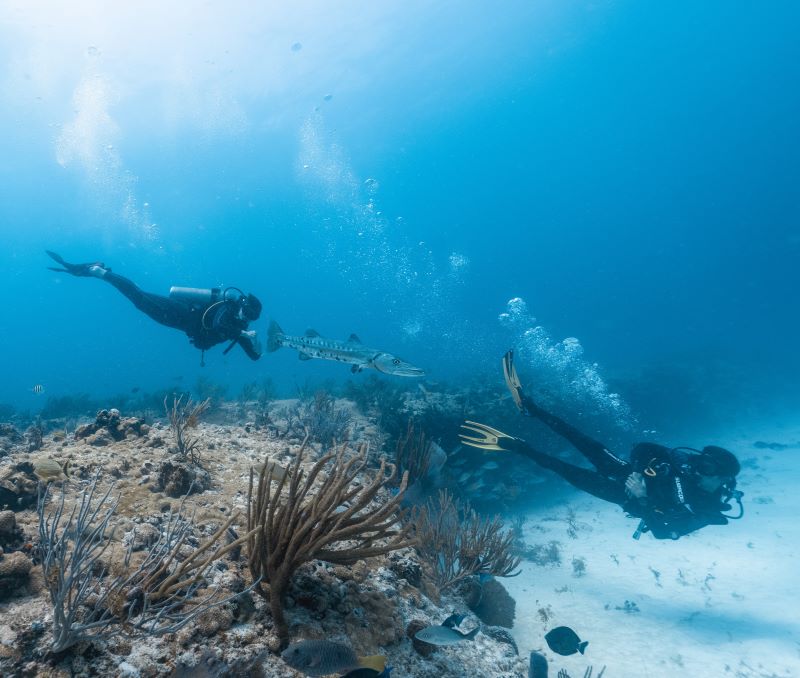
635, 486
248, 340
489, 438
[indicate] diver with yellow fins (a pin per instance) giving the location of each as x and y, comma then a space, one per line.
672, 491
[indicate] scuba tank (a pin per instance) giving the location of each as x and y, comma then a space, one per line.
196, 295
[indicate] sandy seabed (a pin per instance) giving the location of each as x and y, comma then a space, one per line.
722, 603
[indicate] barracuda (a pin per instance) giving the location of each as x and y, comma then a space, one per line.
353, 352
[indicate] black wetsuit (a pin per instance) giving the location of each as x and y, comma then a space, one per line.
674, 506
206, 324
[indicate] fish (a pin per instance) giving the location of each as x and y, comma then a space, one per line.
365, 672
321, 657
490, 466
564, 641
453, 620
353, 352
538, 666
135, 389
47, 469
443, 635
38, 389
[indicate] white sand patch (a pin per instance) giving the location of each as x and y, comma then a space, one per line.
722, 602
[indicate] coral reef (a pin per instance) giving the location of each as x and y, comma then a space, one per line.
178, 478
196, 550
109, 426
457, 543
15, 569
9, 436
150, 598
413, 454
18, 486
317, 513
183, 416
322, 419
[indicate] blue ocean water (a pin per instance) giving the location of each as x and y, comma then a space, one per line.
444, 179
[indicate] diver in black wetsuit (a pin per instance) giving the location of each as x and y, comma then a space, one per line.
672, 491
208, 316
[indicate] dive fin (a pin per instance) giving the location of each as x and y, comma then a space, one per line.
95, 269
512, 379
274, 336
304, 356
59, 260
489, 438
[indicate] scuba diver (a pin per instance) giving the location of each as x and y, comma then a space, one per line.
672, 491
208, 316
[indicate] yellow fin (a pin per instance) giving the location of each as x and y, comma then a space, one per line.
376, 662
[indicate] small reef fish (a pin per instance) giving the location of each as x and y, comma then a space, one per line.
353, 352
322, 657
490, 466
444, 635
538, 666
365, 672
565, 641
47, 470
38, 389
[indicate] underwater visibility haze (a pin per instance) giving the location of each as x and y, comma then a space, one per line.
609, 188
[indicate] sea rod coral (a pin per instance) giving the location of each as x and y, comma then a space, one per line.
323, 514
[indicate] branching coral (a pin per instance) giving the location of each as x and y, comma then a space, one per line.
322, 514
413, 454
156, 597
458, 543
321, 420
183, 416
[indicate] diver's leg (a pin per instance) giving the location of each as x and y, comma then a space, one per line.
162, 309
592, 482
603, 459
